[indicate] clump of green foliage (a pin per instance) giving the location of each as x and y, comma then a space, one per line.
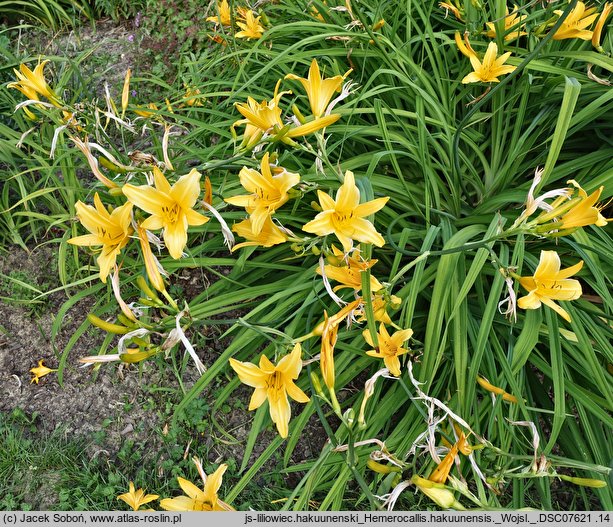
521, 399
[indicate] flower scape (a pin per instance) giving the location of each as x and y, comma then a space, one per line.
366, 246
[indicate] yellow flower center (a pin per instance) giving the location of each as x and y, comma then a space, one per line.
202, 505
274, 384
338, 218
171, 214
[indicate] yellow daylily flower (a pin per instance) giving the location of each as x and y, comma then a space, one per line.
267, 192
153, 108
33, 84
264, 117
251, 27
464, 45
170, 207
319, 91
136, 498
196, 499
349, 273
585, 212
486, 385
326, 358
274, 383
40, 371
380, 303
491, 68
441, 472
511, 21
311, 126
389, 348
576, 23
111, 230
549, 283
151, 262
438, 493
269, 235
224, 17
606, 11
346, 312
345, 216
191, 96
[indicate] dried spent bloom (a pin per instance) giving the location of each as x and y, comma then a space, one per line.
457, 12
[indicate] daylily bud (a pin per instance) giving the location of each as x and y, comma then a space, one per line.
298, 114
134, 355
110, 165
150, 293
208, 190
438, 493
349, 416
584, 482
107, 326
125, 94
317, 384
381, 468
126, 321
495, 389
606, 11
151, 262
319, 328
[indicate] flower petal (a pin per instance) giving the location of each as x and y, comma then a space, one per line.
190, 489
186, 190
249, 374
147, 198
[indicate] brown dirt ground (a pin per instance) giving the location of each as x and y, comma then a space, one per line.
90, 402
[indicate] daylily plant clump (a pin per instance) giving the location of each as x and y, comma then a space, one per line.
365, 273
